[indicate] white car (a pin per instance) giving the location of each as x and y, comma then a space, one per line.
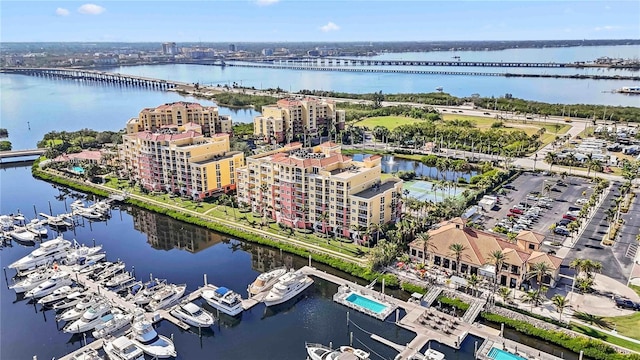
581, 201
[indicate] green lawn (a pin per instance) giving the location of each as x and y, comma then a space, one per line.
390, 122
627, 325
635, 288
589, 331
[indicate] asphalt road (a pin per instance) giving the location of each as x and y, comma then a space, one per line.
614, 262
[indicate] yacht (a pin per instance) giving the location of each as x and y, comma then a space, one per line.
266, 280
6, 222
109, 271
168, 296
87, 354
57, 221
89, 319
142, 295
321, 352
288, 286
119, 279
122, 349
430, 354
146, 338
112, 323
79, 309
86, 261
48, 252
92, 269
32, 280
36, 227
56, 295
58, 280
81, 251
71, 300
22, 235
224, 300
193, 315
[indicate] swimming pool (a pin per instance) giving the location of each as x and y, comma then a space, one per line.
498, 354
366, 303
78, 169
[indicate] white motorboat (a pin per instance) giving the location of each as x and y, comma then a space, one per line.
193, 315
87, 354
21, 234
86, 261
71, 300
32, 280
430, 354
80, 251
224, 300
101, 207
36, 226
287, 287
56, 295
109, 271
321, 352
57, 221
153, 344
79, 309
89, 319
58, 280
48, 252
111, 324
89, 214
122, 349
166, 297
266, 280
142, 295
95, 268
119, 279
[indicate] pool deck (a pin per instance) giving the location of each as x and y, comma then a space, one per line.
345, 291
430, 324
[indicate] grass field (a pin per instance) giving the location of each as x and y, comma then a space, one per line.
390, 122
627, 325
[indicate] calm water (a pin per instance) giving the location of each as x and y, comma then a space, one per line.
392, 164
568, 91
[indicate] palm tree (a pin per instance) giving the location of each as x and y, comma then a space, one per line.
324, 216
456, 250
551, 159
425, 238
473, 281
560, 302
534, 296
593, 319
539, 271
375, 228
496, 258
504, 293
571, 160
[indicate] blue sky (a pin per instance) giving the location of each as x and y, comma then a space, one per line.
306, 20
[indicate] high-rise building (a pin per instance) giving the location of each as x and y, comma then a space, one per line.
232, 48
179, 113
299, 118
169, 48
319, 188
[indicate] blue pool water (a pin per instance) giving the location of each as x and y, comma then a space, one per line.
498, 354
78, 169
366, 303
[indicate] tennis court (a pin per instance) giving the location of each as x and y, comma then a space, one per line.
425, 191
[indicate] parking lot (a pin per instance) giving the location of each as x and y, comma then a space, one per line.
528, 190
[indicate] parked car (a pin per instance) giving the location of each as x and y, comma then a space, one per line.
573, 213
563, 222
570, 217
561, 231
516, 211
573, 208
627, 304
513, 215
581, 201
509, 186
487, 113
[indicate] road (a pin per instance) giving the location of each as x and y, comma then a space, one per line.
614, 262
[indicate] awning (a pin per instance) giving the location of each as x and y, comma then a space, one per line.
487, 271
458, 280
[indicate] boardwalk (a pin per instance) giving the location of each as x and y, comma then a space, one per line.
21, 153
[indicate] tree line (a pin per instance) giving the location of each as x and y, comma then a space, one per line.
59, 142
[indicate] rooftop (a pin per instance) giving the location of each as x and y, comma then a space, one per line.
377, 189
217, 158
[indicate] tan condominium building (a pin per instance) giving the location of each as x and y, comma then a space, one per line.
178, 114
181, 160
319, 188
295, 118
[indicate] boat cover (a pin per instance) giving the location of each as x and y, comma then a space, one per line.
222, 290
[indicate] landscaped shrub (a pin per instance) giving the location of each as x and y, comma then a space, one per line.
413, 288
455, 303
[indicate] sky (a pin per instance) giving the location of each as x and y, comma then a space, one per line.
316, 20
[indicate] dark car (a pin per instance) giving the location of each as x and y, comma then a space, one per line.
627, 304
563, 222
509, 186
487, 113
573, 208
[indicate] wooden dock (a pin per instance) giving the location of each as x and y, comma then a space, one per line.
96, 345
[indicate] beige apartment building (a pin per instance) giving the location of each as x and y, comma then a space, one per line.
297, 117
181, 160
319, 188
179, 114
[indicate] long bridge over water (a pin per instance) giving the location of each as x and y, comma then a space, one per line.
96, 76
333, 61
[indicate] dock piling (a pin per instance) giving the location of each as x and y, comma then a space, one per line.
351, 338
6, 280
475, 349
205, 279
50, 211
347, 320
35, 212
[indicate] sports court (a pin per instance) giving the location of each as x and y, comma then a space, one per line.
425, 191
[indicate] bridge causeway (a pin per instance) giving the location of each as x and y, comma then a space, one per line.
21, 153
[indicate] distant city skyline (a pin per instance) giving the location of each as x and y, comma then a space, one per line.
316, 21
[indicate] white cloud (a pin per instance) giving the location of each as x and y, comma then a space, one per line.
266, 2
62, 12
330, 27
91, 9
606, 28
